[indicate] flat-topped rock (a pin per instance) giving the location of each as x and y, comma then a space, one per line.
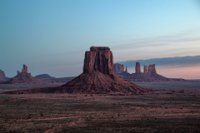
98, 59
99, 48
98, 75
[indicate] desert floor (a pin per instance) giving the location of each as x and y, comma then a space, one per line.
159, 111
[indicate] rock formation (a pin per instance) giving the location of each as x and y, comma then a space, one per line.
44, 76
126, 70
149, 74
151, 69
137, 68
2, 76
122, 71
98, 59
118, 68
22, 76
98, 75
145, 69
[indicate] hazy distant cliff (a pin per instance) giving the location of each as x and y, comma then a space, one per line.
149, 73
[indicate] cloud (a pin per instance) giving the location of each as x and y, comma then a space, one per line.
170, 61
182, 44
183, 37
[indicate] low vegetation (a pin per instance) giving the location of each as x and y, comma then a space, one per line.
163, 111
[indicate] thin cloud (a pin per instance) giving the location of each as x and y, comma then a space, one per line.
185, 37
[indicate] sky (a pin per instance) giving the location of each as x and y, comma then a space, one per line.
51, 36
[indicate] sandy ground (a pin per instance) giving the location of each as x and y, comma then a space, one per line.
158, 111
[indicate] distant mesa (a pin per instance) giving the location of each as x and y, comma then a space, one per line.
23, 76
98, 75
149, 73
121, 70
118, 68
44, 76
137, 68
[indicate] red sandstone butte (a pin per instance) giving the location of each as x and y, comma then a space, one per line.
152, 69
137, 68
98, 75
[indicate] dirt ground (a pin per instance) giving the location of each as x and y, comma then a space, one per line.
166, 111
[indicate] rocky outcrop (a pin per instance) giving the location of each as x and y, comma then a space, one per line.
118, 68
151, 69
149, 74
137, 68
122, 71
2, 76
98, 75
98, 59
145, 69
23, 76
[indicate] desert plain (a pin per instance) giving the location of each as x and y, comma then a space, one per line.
169, 107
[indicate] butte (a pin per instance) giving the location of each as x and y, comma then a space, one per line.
98, 75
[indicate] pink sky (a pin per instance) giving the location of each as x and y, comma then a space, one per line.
186, 72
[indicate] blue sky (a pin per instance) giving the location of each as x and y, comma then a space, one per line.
51, 36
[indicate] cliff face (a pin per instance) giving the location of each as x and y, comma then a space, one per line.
98, 59
145, 69
137, 68
149, 74
2, 76
98, 75
151, 69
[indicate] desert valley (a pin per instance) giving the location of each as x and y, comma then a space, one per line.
104, 98
99, 66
